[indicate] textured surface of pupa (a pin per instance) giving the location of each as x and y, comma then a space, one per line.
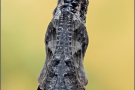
66, 42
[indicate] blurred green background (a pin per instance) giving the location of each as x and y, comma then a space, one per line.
109, 60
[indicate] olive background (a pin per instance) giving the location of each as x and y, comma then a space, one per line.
109, 59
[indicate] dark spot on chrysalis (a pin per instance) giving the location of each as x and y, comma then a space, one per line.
39, 88
55, 63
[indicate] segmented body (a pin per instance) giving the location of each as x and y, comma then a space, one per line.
66, 42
